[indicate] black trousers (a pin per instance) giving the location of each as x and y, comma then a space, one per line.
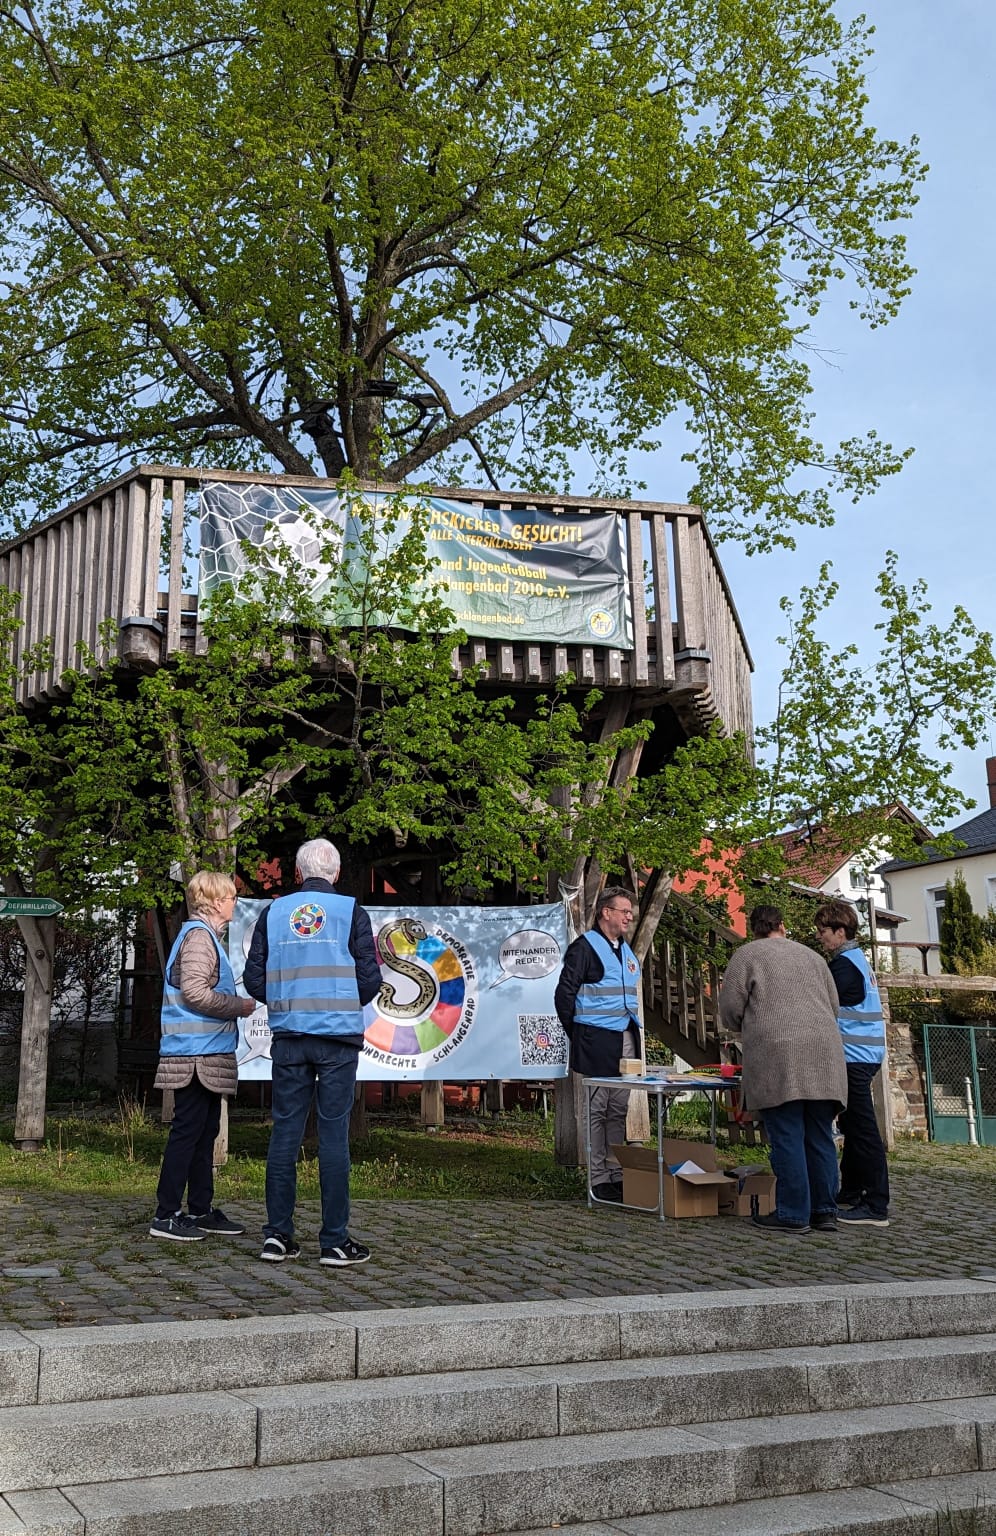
187, 1161
864, 1171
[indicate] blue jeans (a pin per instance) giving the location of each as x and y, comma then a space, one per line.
300, 1064
803, 1158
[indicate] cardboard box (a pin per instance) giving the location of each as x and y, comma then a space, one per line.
685, 1194
749, 1191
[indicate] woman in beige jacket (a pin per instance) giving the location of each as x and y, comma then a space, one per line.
197, 1060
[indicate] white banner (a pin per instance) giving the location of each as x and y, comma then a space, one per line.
467, 995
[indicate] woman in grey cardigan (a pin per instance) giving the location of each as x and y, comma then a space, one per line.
780, 997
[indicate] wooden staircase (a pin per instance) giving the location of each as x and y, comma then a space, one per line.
682, 975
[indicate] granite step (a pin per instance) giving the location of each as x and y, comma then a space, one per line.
703, 1469
48, 1445
45, 1445
91, 1364
961, 1505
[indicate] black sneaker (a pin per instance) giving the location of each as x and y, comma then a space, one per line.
277, 1249
217, 1221
346, 1252
178, 1228
823, 1221
773, 1223
863, 1216
607, 1191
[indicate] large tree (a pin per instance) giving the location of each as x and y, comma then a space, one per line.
439, 237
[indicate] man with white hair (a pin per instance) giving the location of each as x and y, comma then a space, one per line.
313, 962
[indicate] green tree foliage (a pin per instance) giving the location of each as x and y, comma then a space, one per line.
395, 236
285, 727
961, 933
851, 740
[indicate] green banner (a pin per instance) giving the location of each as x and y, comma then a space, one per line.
513, 575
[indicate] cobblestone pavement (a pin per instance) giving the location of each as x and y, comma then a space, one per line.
446, 1252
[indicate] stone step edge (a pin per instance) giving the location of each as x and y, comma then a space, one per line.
694, 1458
569, 1398
872, 1509
87, 1364
863, 1509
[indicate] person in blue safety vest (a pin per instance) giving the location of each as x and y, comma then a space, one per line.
313, 961
597, 1002
864, 1171
197, 1061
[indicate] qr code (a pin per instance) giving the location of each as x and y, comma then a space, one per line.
542, 1042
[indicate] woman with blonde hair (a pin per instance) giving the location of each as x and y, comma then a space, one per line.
197, 1060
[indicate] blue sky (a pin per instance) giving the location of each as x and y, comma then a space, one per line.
925, 380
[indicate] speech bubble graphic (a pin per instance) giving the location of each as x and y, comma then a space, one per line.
527, 955
256, 1033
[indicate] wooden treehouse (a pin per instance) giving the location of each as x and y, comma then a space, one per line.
119, 555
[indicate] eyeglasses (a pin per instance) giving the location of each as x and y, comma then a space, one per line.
625, 911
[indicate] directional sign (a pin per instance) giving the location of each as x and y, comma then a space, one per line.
29, 906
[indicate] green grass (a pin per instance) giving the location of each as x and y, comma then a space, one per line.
117, 1154
120, 1155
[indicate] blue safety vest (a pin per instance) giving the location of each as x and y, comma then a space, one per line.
310, 974
613, 1002
185, 1033
862, 1028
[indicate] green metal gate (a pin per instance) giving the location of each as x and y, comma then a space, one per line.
960, 1061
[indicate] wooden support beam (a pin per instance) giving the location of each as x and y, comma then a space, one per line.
432, 1109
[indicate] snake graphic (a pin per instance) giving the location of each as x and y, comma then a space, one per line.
424, 979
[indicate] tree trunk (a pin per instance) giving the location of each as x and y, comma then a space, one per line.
494, 1097
29, 1123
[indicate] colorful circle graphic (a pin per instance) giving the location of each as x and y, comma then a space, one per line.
307, 920
425, 990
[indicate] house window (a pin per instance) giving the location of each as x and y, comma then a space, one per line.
991, 892
857, 877
935, 897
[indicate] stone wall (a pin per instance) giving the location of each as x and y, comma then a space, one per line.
907, 1096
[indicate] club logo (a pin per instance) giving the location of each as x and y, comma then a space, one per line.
308, 920
601, 623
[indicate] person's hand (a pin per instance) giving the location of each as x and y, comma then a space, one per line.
248, 1006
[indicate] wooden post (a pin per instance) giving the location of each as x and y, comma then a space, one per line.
169, 1107
494, 1098
29, 1122
359, 1125
432, 1110
219, 1152
568, 1122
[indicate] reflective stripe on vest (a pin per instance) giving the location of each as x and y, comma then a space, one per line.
862, 1028
310, 975
613, 1002
185, 1033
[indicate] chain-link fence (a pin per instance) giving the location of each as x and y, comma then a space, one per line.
960, 1061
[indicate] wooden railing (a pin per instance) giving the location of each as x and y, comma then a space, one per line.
682, 976
118, 555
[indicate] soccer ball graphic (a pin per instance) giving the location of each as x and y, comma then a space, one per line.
287, 533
